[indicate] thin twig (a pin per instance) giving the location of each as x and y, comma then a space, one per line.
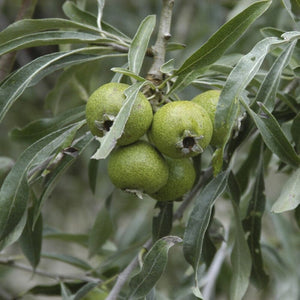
159, 49
55, 276
125, 274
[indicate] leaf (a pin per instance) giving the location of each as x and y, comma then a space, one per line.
295, 130
273, 136
83, 17
80, 239
154, 264
51, 38
247, 168
65, 292
31, 239
241, 75
292, 6
168, 67
93, 174
85, 289
15, 234
162, 221
40, 128
54, 175
101, 231
240, 256
128, 73
215, 47
109, 141
252, 225
14, 190
139, 44
199, 220
29, 26
268, 89
101, 4
55, 289
6, 163
290, 194
34, 71
68, 259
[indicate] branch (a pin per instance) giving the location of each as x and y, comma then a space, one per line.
159, 49
11, 263
125, 274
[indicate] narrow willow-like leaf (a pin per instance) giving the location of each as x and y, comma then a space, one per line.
292, 6
168, 67
199, 220
109, 141
290, 194
29, 26
273, 136
34, 71
14, 191
86, 289
54, 175
40, 128
80, 239
247, 168
128, 73
15, 234
139, 44
51, 38
162, 221
271, 31
73, 12
153, 267
93, 174
268, 89
54, 289
65, 292
214, 48
240, 256
252, 225
101, 231
31, 239
295, 130
6, 163
237, 81
68, 259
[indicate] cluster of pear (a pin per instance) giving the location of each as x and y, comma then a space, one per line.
153, 154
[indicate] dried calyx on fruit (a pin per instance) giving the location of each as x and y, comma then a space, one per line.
104, 105
181, 129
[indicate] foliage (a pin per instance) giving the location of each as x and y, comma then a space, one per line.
231, 211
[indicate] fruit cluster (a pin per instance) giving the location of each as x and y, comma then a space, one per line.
162, 165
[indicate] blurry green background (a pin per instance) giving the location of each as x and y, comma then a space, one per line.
72, 207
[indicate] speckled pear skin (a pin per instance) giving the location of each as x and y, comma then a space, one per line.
107, 101
181, 179
172, 121
138, 166
209, 101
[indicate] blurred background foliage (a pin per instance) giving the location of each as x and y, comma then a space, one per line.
72, 207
